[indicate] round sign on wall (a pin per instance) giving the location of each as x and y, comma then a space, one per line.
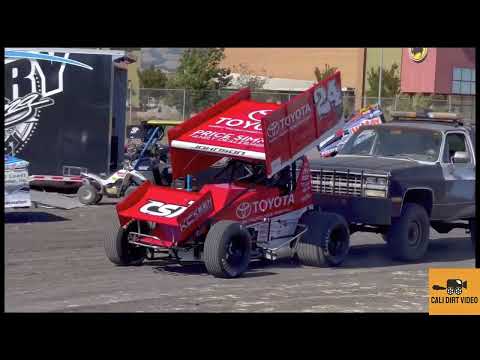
418, 54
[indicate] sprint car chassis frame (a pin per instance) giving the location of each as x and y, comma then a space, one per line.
263, 250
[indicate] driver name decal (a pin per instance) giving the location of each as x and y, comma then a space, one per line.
198, 210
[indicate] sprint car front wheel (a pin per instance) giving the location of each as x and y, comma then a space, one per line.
227, 249
120, 252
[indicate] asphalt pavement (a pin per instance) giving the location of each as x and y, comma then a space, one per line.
55, 262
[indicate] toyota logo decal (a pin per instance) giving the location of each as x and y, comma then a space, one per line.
244, 210
251, 116
273, 129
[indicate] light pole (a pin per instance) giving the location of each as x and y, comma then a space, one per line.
130, 102
380, 78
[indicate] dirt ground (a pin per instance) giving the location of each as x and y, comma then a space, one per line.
55, 262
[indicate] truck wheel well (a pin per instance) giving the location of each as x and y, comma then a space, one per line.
422, 197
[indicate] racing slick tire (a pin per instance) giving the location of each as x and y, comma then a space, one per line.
472, 225
120, 252
409, 235
227, 249
87, 194
327, 241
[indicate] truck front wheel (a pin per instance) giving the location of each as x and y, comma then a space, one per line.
227, 249
408, 236
327, 240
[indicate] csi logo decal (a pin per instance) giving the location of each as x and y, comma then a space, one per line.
158, 208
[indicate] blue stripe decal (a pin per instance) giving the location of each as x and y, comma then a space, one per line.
36, 56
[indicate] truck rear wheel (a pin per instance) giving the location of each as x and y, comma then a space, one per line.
87, 194
120, 252
327, 241
408, 236
227, 249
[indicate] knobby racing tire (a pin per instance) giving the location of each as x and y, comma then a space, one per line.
120, 252
472, 224
227, 249
98, 198
87, 194
327, 241
409, 235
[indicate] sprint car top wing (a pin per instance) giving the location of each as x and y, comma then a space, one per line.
238, 127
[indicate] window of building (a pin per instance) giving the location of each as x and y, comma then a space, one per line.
463, 81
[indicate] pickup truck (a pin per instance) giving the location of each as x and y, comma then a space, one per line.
401, 178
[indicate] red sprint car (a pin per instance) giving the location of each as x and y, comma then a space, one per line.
258, 205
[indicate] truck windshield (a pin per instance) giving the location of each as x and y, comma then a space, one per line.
412, 144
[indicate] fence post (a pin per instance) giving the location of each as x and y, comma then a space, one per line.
184, 101
130, 104
395, 106
449, 103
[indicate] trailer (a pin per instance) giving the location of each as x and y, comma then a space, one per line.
65, 111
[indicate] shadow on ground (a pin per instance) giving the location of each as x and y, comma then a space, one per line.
101, 203
439, 250
31, 217
360, 257
172, 268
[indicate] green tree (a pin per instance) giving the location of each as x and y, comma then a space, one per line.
152, 78
200, 73
390, 81
326, 72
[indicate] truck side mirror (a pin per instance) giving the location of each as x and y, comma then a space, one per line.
460, 157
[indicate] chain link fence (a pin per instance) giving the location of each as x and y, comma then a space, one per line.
180, 104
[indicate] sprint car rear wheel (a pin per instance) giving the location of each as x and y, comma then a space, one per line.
227, 249
120, 252
327, 241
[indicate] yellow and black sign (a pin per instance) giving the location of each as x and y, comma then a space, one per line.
418, 54
454, 291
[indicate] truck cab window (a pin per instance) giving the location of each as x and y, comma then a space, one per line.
453, 143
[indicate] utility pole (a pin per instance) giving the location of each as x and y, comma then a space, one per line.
380, 78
